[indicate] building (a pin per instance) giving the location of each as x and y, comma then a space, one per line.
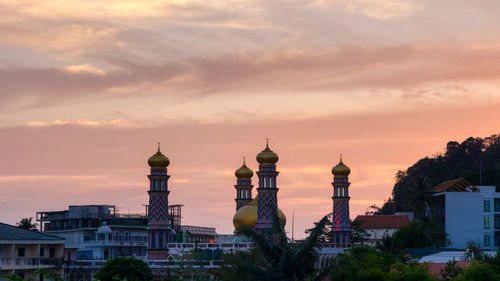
341, 228
258, 212
379, 226
468, 213
24, 251
96, 232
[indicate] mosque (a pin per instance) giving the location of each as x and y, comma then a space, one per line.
255, 212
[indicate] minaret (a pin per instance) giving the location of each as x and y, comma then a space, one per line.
159, 224
243, 185
341, 228
267, 190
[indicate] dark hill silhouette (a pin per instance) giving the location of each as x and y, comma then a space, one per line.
476, 160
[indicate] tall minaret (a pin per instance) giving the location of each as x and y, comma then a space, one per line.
243, 185
159, 224
267, 190
341, 228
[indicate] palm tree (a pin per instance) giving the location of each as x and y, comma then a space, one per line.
283, 260
27, 224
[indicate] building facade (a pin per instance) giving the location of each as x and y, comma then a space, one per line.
159, 228
96, 232
468, 213
376, 227
341, 228
23, 251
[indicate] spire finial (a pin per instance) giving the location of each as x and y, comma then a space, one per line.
267, 142
158, 147
244, 159
340, 157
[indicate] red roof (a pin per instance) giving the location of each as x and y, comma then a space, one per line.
435, 268
383, 221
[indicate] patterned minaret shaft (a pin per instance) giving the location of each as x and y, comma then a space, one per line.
341, 228
159, 225
243, 186
267, 190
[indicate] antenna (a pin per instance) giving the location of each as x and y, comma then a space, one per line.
293, 225
480, 170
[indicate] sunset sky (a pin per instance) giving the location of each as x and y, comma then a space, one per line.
88, 88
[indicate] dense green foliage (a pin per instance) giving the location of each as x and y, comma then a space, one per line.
411, 191
420, 235
125, 268
366, 263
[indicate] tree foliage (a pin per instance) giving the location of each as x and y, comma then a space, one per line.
411, 191
125, 268
276, 257
28, 224
420, 235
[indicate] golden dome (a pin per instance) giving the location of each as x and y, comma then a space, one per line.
341, 170
244, 173
248, 215
267, 156
158, 160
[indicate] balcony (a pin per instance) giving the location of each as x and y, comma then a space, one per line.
30, 263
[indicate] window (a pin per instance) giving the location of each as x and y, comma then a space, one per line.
487, 222
487, 205
52, 252
487, 240
42, 252
21, 252
160, 240
153, 241
497, 205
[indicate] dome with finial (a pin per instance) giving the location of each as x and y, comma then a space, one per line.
247, 215
244, 173
267, 156
341, 170
158, 160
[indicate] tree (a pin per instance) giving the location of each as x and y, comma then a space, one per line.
122, 268
478, 271
386, 245
358, 234
325, 235
27, 223
282, 260
450, 271
361, 263
420, 235
410, 272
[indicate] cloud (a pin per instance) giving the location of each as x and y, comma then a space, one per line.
287, 72
379, 9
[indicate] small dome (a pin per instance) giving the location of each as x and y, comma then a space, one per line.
341, 170
244, 173
247, 215
158, 160
267, 156
104, 228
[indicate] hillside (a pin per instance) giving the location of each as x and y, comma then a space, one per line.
465, 160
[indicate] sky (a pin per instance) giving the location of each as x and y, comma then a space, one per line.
88, 89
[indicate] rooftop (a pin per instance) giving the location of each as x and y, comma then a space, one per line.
457, 185
383, 221
10, 232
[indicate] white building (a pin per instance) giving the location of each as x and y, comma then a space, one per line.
468, 213
378, 226
23, 251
